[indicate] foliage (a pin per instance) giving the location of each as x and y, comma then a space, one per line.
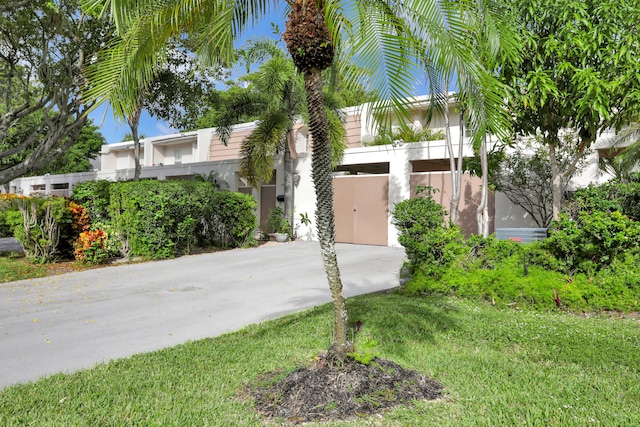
524, 175
214, 178
405, 133
430, 243
162, 219
77, 158
157, 219
507, 273
93, 196
39, 227
233, 221
593, 240
578, 71
608, 197
277, 223
183, 89
367, 351
8, 205
44, 45
91, 248
624, 155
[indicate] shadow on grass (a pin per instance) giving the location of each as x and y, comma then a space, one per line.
399, 322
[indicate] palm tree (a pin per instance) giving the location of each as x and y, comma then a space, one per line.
276, 96
625, 145
390, 37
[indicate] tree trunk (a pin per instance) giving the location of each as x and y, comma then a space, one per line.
322, 181
455, 184
289, 157
134, 121
556, 182
482, 214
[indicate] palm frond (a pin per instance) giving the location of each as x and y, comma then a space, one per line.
258, 149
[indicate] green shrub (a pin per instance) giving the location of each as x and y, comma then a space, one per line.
94, 196
40, 225
510, 285
162, 219
593, 240
430, 243
608, 197
232, 221
157, 219
489, 252
8, 205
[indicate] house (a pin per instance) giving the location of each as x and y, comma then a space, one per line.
367, 184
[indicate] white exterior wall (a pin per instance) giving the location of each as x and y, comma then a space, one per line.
25, 185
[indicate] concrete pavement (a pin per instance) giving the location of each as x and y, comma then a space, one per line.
73, 321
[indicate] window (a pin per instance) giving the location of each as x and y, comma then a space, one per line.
177, 155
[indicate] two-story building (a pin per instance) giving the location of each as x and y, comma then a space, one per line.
367, 184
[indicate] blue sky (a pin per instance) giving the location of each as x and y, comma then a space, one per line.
114, 130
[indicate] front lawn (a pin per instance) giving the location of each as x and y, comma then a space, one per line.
498, 366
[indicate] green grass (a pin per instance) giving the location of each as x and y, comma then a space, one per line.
499, 367
16, 267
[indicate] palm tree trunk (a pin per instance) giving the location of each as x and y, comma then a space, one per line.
289, 157
134, 121
321, 174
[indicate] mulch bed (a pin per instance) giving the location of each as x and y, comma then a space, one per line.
328, 393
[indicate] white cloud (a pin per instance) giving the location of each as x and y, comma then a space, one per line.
164, 129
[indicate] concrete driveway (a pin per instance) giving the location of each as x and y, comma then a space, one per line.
73, 321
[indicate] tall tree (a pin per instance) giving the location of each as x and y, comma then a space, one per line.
43, 47
578, 72
386, 36
79, 156
276, 97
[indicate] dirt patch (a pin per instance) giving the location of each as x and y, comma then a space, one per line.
327, 393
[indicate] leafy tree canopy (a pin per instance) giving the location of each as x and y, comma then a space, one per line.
579, 71
43, 47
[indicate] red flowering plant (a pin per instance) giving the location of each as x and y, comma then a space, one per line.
91, 247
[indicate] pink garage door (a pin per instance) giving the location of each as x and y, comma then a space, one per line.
361, 206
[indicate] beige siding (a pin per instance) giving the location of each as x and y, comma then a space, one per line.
231, 151
353, 126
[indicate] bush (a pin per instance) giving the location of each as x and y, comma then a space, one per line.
429, 242
608, 197
277, 223
507, 273
8, 205
39, 225
156, 219
95, 197
91, 247
233, 221
510, 284
162, 219
593, 240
